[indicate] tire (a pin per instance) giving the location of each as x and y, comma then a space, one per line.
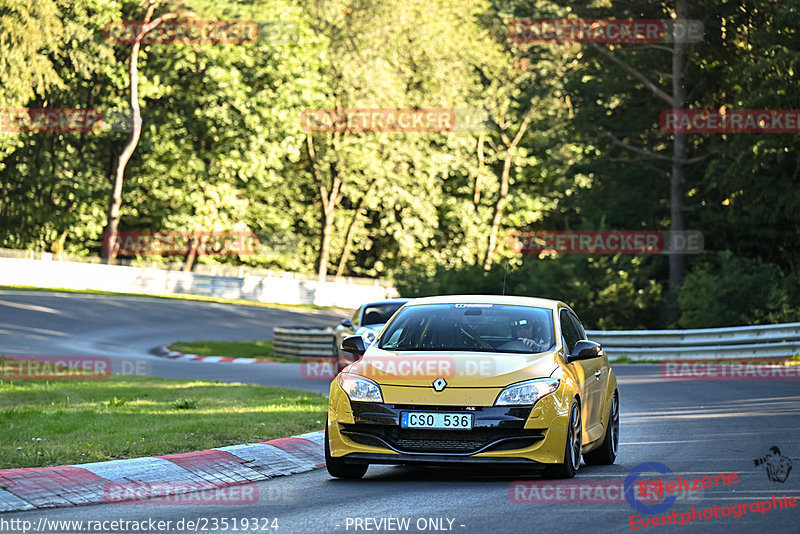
572, 449
337, 468
606, 453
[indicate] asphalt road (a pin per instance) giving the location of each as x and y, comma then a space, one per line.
125, 329
693, 428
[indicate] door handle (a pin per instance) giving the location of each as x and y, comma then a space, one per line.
598, 373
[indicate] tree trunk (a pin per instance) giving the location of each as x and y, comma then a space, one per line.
476, 192
497, 217
677, 100
330, 199
351, 228
325, 242
189, 259
58, 245
677, 261
115, 198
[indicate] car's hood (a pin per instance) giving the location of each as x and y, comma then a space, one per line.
459, 369
375, 328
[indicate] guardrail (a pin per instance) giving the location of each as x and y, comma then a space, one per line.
302, 342
762, 341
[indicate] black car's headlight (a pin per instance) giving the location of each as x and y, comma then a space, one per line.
528, 392
359, 388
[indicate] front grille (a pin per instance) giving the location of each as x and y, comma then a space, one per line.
444, 445
453, 441
507, 417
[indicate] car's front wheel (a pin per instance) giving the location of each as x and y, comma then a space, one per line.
338, 468
606, 453
572, 449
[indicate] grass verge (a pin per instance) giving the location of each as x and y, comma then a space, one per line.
51, 422
239, 302
231, 349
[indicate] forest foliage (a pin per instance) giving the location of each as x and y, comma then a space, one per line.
566, 140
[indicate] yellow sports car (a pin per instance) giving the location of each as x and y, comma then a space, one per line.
474, 379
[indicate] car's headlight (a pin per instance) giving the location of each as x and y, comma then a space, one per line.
527, 392
359, 388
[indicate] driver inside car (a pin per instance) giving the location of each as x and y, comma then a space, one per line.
528, 332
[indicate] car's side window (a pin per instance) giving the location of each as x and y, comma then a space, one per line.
570, 334
578, 326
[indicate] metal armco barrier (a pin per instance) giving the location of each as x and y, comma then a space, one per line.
762, 341
303, 342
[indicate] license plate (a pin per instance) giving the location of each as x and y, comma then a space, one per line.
445, 421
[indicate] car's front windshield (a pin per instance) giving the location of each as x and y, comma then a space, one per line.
470, 327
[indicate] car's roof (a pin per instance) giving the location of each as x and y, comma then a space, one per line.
488, 299
387, 301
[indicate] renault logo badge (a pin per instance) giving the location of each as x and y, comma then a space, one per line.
439, 384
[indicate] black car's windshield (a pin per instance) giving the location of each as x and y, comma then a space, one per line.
471, 327
379, 313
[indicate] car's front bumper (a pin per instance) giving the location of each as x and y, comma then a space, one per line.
367, 432
494, 428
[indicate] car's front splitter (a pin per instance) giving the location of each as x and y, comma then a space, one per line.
437, 459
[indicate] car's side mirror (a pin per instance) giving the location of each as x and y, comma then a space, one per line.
346, 323
585, 350
354, 345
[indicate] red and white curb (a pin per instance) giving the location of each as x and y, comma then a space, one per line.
71, 485
164, 351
